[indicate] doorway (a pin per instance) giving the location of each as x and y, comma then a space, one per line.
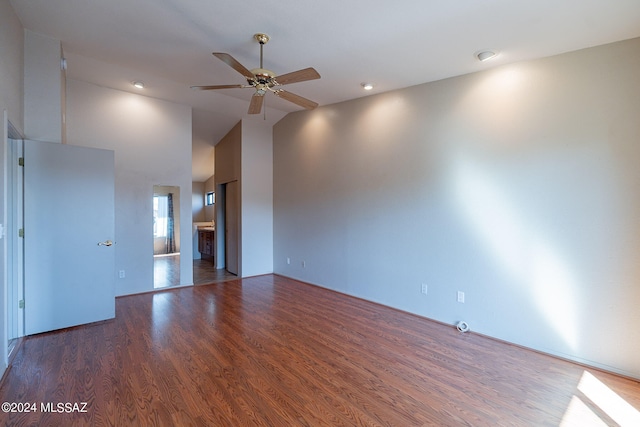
231, 221
166, 236
227, 224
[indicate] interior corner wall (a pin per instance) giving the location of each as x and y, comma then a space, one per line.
518, 185
197, 201
257, 197
11, 65
210, 211
152, 144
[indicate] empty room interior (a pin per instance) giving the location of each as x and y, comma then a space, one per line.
320, 213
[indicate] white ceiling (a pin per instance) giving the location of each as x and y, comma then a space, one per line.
168, 44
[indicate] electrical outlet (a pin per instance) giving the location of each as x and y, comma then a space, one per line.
461, 296
121, 274
304, 264
288, 260
424, 288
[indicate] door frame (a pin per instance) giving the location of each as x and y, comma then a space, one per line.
13, 245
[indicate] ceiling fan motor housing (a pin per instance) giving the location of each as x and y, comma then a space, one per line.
262, 76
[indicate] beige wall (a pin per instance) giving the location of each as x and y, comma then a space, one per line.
201, 212
519, 186
227, 167
227, 158
197, 201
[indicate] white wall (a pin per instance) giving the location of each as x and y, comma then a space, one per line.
256, 197
42, 88
152, 143
519, 186
11, 65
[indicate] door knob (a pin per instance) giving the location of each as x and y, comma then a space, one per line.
105, 243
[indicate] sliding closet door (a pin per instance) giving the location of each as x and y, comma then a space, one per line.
69, 225
232, 220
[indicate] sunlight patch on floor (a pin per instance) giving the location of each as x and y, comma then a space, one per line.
166, 270
608, 401
578, 414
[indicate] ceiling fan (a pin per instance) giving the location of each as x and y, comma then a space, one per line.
263, 80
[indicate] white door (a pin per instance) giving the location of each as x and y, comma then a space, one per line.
68, 213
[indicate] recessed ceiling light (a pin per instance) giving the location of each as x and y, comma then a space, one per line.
138, 85
366, 86
485, 55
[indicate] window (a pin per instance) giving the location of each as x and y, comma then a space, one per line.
210, 198
160, 213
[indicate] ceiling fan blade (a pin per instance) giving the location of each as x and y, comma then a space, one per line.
298, 76
231, 61
256, 104
214, 87
296, 99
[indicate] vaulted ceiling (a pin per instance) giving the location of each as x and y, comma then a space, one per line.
168, 44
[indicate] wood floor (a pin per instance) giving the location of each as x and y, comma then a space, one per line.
166, 271
204, 272
270, 351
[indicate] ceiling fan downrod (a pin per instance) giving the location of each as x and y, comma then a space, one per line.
262, 39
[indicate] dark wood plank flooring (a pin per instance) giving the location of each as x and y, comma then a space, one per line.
270, 351
204, 273
166, 272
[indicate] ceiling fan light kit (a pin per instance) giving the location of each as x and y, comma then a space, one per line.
263, 80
